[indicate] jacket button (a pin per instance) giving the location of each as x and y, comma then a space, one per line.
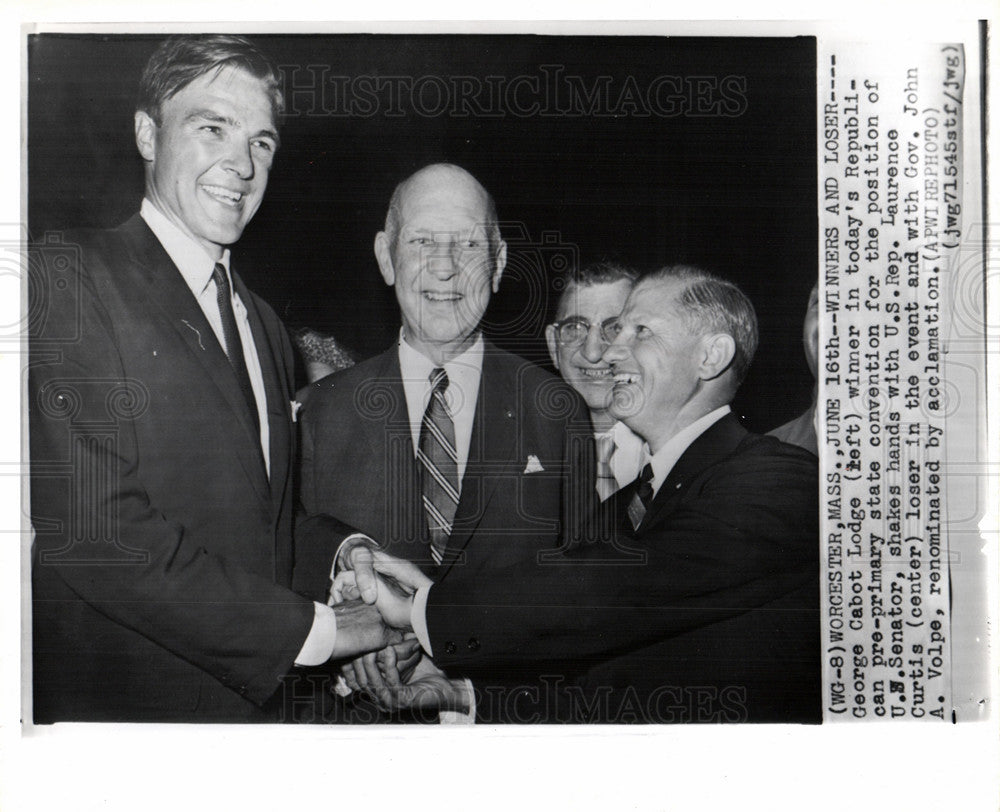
450, 648
473, 644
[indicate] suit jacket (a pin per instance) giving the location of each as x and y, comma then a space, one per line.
163, 558
530, 437
709, 614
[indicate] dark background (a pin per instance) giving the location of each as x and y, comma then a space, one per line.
736, 194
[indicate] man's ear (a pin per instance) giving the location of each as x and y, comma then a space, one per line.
718, 351
550, 339
145, 135
501, 264
383, 255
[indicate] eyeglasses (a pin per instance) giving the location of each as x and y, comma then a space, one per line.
572, 332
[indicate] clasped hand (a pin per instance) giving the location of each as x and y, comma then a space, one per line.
400, 675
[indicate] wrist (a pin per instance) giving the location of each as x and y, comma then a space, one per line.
461, 701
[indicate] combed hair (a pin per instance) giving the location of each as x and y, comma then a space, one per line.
601, 273
394, 215
181, 59
324, 349
715, 305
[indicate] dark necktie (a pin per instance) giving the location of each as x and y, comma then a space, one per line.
231, 335
439, 459
643, 496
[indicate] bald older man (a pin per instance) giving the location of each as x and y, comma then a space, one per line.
447, 451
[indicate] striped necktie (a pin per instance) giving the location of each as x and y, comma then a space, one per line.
439, 461
643, 496
231, 335
606, 482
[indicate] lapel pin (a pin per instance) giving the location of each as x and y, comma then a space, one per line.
196, 331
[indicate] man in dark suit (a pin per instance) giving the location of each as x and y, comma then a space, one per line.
712, 612
161, 427
445, 449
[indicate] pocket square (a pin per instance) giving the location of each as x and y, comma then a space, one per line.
533, 466
295, 410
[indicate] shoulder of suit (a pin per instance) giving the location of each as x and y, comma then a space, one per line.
96, 254
518, 368
764, 449
85, 241
338, 385
543, 397
762, 467
265, 309
114, 244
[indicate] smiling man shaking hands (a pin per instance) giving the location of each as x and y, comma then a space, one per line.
450, 452
713, 618
161, 431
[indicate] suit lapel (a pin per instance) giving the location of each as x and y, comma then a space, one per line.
492, 446
717, 442
385, 421
168, 292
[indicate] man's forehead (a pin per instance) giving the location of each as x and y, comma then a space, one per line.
595, 299
443, 223
442, 188
443, 207
227, 86
653, 298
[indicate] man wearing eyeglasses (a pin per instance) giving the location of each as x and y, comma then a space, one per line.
591, 301
718, 619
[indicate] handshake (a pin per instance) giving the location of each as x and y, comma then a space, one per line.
399, 674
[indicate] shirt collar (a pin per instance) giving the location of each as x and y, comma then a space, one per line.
666, 458
629, 450
194, 264
625, 440
416, 366
624, 436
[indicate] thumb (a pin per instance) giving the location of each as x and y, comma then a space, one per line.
387, 660
362, 563
405, 572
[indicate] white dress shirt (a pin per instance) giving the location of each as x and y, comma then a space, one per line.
464, 373
197, 267
627, 458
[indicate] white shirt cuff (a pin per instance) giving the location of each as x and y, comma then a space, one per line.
322, 638
418, 619
457, 717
